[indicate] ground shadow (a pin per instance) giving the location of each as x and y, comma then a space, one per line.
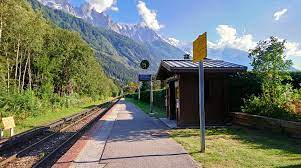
290, 166
266, 140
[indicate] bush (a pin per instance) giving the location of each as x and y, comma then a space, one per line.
256, 105
282, 105
296, 79
29, 103
243, 86
159, 97
278, 99
20, 105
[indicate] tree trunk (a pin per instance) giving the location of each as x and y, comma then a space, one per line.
29, 72
23, 80
7, 73
1, 26
17, 61
20, 72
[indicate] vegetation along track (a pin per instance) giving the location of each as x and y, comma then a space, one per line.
43, 148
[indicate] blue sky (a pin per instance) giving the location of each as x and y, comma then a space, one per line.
185, 19
251, 21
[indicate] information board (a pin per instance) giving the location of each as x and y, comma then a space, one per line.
144, 77
8, 122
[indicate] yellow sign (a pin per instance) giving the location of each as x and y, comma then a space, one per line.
8, 122
200, 48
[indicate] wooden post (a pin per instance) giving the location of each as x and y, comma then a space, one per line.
11, 132
1, 133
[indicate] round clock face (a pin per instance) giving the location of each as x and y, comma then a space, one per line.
144, 64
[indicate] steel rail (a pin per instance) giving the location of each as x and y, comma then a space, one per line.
57, 125
43, 162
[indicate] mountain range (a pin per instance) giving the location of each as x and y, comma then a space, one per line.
137, 32
151, 44
119, 47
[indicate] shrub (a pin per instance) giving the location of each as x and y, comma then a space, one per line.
243, 86
29, 103
256, 105
277, 98
20, 105
159, 97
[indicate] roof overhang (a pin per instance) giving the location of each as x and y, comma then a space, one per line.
166, 68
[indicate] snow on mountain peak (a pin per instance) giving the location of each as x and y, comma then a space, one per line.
97, 17
60, 5
184, 46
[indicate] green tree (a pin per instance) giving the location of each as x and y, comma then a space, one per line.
42, 65
271, 66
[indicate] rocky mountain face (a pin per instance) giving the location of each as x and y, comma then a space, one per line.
136, 32
119, 54
60, 5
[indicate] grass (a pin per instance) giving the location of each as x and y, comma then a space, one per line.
235, 147
52, 116
158, 112
240, 147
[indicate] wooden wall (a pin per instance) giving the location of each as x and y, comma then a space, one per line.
216, 105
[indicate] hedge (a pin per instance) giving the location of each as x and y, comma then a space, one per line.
159, 97
243, 85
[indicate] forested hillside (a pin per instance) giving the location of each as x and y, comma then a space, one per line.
120, 56
43, 66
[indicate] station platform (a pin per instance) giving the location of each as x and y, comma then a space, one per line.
126, 138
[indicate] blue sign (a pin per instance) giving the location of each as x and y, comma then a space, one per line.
144, 77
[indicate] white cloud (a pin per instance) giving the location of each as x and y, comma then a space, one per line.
278, 14
115, 8
229, 38
149, 17
293, 49
102, 5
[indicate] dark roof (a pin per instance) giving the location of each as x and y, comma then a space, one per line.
210, 65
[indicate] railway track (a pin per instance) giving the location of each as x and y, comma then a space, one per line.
46, 144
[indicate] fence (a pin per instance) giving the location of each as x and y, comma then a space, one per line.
289, 128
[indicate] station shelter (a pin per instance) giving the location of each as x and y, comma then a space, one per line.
182, 93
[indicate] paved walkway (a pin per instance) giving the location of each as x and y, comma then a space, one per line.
127, 138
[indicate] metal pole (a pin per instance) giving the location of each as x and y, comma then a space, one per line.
151, 95
139, 91
201, 105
